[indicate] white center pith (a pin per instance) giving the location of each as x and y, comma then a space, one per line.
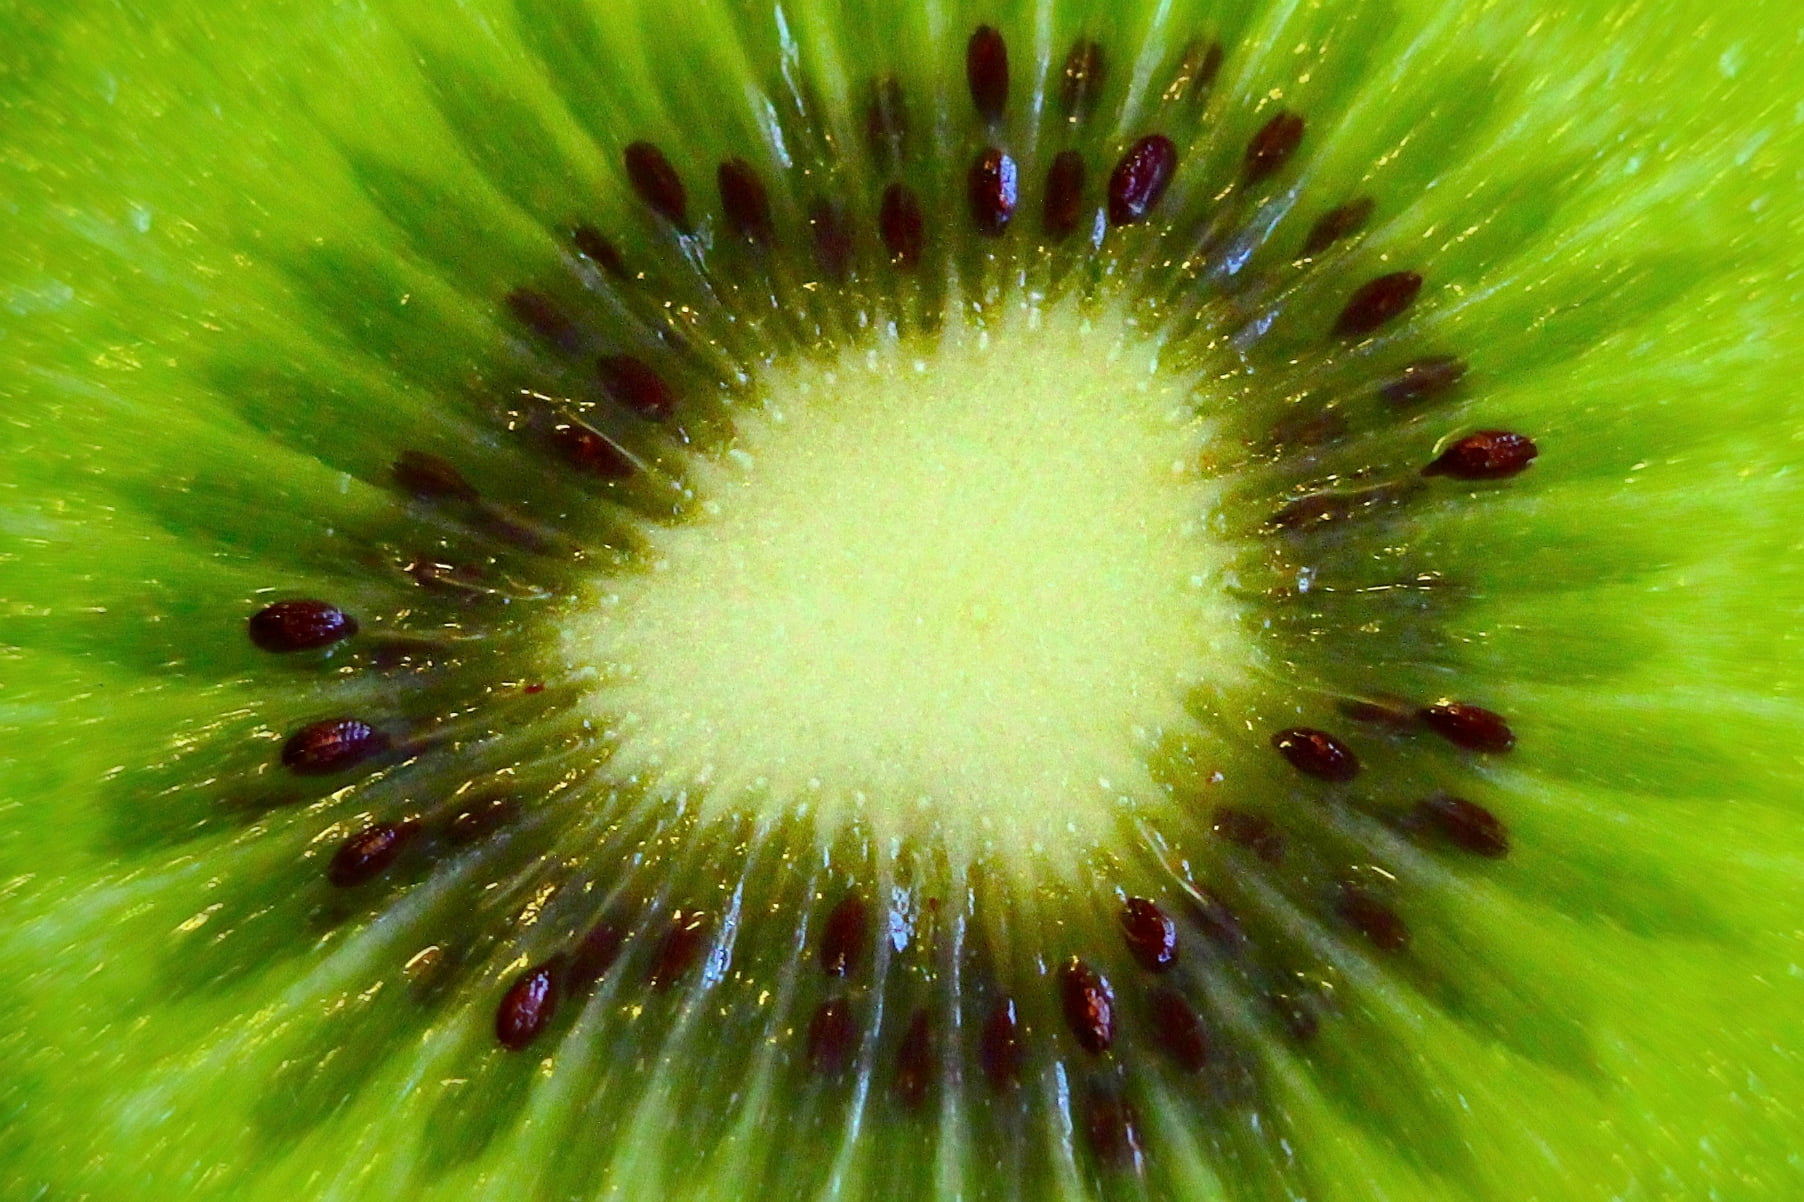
958, 590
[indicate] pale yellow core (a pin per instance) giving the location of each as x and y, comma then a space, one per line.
954, 588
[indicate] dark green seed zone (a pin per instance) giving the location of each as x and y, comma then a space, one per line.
427, 797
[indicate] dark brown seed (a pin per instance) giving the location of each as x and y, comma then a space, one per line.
1486, 455
994, 191
1325, 508
1383, 928
1272, 146
1140, 178
1423, 379
904, 229
1217, 921
1082, 81
1389, 713
1337, 223
832, 239
432, 478
478, 819
986, 70
1150, 933
1000, 1047
914, 1062
527, 1006
1089, 1005
746, 202
590, 452
542, 315
1177, 1029
1113, 1125
1255, 832
844, 937
1317, 753
832, 1037
1466, 825
886, 121
334, 745
369, 853
1302, 431
1196, 72
1064, 195
682, 946
633, 384
299, 626
1469, 726
590, 962
657, 183
596, 247
1377, 302
1296, 1013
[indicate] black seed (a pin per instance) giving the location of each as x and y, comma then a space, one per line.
1377, 302
832, 239
369, 853
1255, 832
1486, 455
1113, 1126
432, 478
478, 819
595, 246
1082, 82
657, 183
886, 121
1140, 178
682, 947
994, 190
1000, 1047
986, 69
1317, 753
914, 1062
1337, 223
1469, 726
534, 309
1466, 825
1383, 928
832, 1036
299, 626
844, 937
1177, 1030
1423, 379
1217, 921
1296, 1013
591, 452
527, 1006
590, 962
1089, 1005
332, 746
746, 202
632, 383
1196, 72
904, 229
1272, 146
1064, 195
1151, 935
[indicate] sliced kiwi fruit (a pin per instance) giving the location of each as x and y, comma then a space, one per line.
1015, 601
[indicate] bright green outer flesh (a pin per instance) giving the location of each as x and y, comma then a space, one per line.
186, 194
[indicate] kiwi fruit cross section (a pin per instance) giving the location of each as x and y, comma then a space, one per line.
999, 611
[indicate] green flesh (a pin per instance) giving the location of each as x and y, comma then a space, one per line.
253, 253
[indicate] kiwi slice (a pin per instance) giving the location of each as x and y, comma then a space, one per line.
1046, 600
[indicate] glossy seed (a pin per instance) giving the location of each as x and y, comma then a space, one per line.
682, 946
1466, 825
1255, 832
1317, 753
1177, 1029
527, 1006
590, 452
1469, 727
1272, 146
594, 956
633, 384
1064, 204
904, 228
335, 745
886, 121
1089, 1005
1140, 179
832, 231
1196, 72
914, 1062
545, 318
1486, 455
745, 201
288, 626
432, 478
1082, 80
1113, 1126
994, 191
1151, 935
596, 247
986, 70
1000, 1048
832, 1037
844, 937
1337, 223
1382, 926
369, 853
1376, 303
657, 183
1423, 379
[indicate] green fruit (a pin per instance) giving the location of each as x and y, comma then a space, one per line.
606, 601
